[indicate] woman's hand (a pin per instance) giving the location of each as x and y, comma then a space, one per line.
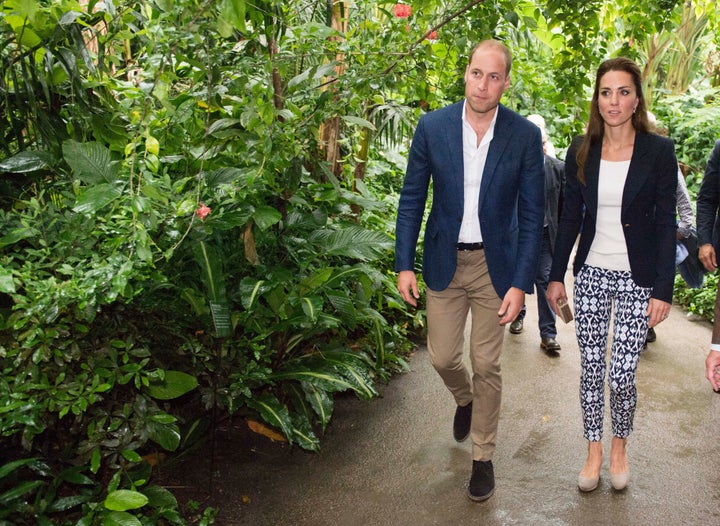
657, 311
555, 292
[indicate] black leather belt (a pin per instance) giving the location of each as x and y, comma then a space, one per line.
470, 246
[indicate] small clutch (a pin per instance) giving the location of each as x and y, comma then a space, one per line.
566, 313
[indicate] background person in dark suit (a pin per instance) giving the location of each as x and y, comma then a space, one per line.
620, 184
708, 231
554, 182
481, 242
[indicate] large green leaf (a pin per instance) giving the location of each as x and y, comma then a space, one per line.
95, 198
209, 258
233, 13
166, 436
160, 498
91, 162
16, 235
120, 518
321, 402
266, 216
328, 380
27, 161
250, 290
174, 385
353, 241
21, 490
273, 412
125, 499
8, 468
7, 284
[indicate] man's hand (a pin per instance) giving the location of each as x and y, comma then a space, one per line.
408, 287
712, 369
512, 305
706, 254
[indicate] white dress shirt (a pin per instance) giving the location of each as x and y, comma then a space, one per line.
474, 158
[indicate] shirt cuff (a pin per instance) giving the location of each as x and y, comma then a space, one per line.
715, 347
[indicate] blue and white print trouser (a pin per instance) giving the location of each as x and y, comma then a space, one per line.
598, 293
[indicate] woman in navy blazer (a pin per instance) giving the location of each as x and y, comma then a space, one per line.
620, 197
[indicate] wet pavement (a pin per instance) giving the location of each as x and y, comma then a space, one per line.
393, 461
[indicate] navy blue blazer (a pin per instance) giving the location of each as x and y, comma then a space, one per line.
554, 189
647, 213
708, 202
511, 199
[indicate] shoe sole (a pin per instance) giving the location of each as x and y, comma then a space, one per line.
482, 498
588, 489
515, 332
555, 348
463, 439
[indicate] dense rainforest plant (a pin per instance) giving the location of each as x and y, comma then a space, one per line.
197, 213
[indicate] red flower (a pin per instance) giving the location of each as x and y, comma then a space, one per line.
203, 211
432, 35
402, 10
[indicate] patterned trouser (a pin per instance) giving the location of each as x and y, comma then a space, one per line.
597, 293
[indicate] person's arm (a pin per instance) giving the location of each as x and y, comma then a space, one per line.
712, 368
684, 207
411, 208
570, 218
712, 362
530, 209
665, 206
707, 209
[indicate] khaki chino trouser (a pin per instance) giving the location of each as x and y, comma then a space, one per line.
447, 310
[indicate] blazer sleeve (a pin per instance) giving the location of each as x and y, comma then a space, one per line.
571, 216
411, 206
708, 197
665, 222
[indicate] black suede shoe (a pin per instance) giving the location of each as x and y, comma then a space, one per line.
482, 481
461, 423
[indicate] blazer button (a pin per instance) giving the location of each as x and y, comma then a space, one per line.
626, 225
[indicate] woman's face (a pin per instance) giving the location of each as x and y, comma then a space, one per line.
617, 98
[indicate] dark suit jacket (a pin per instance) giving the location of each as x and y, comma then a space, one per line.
708, 202
511, 199
647, 215
554, 186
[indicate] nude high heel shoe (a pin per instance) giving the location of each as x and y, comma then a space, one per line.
619, 481
590, 483
587, 484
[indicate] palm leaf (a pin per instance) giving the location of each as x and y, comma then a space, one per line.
352, 241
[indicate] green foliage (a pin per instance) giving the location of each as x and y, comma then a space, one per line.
697, 301
176, 242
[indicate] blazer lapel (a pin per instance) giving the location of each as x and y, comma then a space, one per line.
592, 173
638, 171
454, 138
501, 137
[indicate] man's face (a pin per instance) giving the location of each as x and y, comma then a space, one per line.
485, 80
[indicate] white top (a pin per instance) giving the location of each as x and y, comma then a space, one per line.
474, 158
608, 249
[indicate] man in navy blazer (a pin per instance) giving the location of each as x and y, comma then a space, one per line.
481, 243
708, 231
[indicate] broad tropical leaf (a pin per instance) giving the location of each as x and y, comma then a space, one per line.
353, 241
91, 162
